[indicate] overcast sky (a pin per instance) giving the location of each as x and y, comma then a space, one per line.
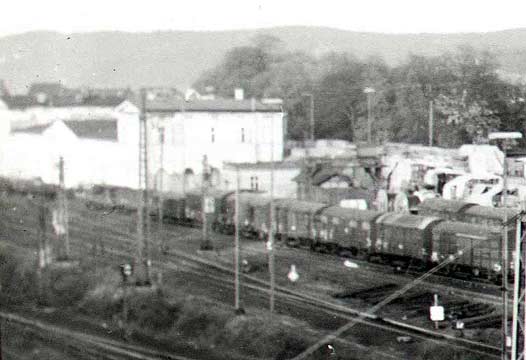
391, 16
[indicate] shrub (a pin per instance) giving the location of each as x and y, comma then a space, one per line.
18, 283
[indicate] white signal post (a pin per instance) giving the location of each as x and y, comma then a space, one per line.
436, 312
506, 340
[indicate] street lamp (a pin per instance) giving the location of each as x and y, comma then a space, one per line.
505, 136
311, 96
369, 91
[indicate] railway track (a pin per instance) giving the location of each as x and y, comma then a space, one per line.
86, 346
220, 272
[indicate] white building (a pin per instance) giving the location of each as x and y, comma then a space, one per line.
258, 177
93, 152
223, 130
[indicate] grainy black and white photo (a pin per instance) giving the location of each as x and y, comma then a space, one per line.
231, 180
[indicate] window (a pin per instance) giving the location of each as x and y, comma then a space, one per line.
212, 135
254, 183
242, 135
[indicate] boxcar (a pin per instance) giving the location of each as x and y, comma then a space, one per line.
193, 207
295, 221
254, 215
404, 240
446, 209
173, 207
489, 216
346, 231
475, 250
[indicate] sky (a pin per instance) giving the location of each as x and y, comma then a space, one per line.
388, 16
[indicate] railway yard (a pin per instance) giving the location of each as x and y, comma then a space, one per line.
389, 310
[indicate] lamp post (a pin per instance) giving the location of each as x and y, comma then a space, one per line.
162, 247
369, 91
505, 336
311, 97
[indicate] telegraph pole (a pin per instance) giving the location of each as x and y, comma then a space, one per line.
431, 126
519, 295
237, 303
160, 195
369, 91
142, 261
63, 230
207, 206
270, 243
507, 341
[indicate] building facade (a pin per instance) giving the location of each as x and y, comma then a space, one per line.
222, 130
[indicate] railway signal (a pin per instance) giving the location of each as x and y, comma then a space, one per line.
436, 312
142, 262
293, 274
506, 138
208, 206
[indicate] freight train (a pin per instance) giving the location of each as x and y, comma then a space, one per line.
468, 236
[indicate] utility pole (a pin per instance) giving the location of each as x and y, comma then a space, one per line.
237, 303
270, 243
207, 207
519, 295
62, 215
431, 126
312, 123
44, 252
142, 261
506, 339
369, 91
160, 195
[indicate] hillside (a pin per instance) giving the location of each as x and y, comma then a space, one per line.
177, 58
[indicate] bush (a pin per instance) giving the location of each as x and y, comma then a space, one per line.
66, 287
262, 336
151, 310
104, 299
18, 283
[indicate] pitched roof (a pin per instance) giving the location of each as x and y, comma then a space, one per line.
19, 102
94, 129
48, 88
215, 105
105, 129
35, 129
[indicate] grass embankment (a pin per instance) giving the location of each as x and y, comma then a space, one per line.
166, 319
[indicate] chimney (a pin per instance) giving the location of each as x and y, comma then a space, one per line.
239, 94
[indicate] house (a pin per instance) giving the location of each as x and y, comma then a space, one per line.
257, 177
93, 153
224, 130
331, 181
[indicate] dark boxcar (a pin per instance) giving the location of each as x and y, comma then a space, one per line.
296, 218
446, 209
489, 216
404, 240
473, 249
173, 207
194, 206
343, 230
254, 215
124, 199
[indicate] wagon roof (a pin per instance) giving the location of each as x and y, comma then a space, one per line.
254, 199
491, 213
437, 204
351, 214
407, 220
301, 205
465, 228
